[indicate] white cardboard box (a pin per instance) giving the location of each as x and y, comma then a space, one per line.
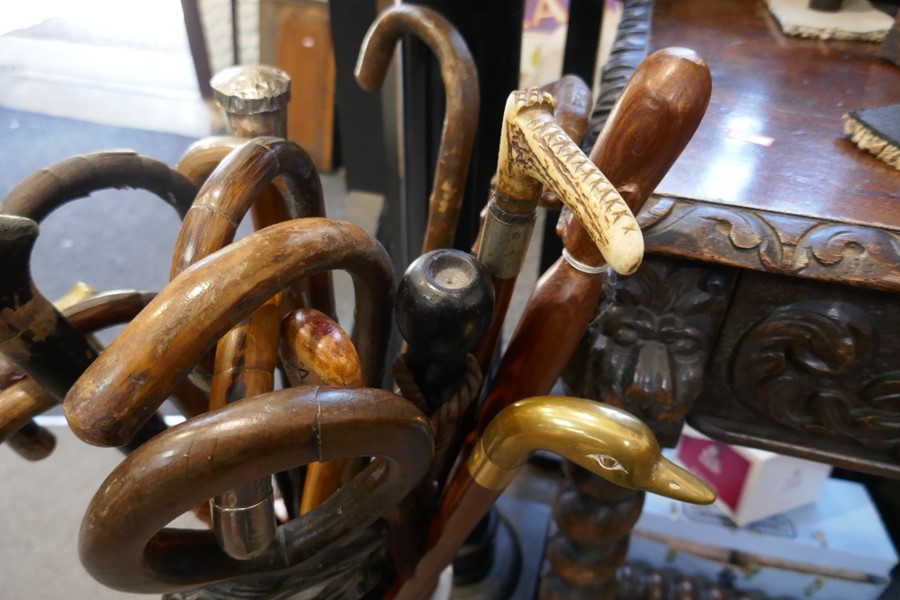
835, 549
750, 484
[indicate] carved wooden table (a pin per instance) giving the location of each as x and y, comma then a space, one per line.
767, 308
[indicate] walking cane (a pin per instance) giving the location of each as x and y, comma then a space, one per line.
35, 336
461, 118
45, 190
108, 404
28, 439
535, 151
124, 542
246, 357
651, 123
602, 439
316, 351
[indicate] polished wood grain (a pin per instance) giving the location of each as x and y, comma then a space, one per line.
231, 190
462, 104
45, 190
189, 315
316, 351
771, 153
124, 540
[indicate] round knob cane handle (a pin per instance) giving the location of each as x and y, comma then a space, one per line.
444, 306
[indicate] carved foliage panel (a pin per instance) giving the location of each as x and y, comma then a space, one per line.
819, 360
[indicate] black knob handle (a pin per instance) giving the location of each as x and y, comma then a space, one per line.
444, 306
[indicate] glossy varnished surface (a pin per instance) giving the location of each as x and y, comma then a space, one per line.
793, 91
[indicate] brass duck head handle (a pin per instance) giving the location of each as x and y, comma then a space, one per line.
136, 373
604, 440
124, 541
461, 88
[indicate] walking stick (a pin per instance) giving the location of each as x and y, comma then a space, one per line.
45, 190
461, 118
28, 439
246, 357
536, 151
124, 542
316, 351
26, 399
35, 336
602, 439
187, 317
653, 120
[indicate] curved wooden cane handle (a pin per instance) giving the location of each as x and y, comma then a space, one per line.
44, 191
189, 315
124, 543
35, 336
602, 439
461, 88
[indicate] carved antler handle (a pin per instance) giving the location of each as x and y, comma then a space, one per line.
535, 150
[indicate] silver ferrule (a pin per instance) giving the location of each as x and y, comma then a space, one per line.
504, 241
244, 519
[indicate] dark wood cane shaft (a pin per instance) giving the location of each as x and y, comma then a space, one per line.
231, 190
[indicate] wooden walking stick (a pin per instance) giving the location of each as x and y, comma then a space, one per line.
536, 152
35, 336
26, 399
28, 439
602, 439
246, 357
196, 308
45, 190
651, 123
316, 351
461, 118
125, 543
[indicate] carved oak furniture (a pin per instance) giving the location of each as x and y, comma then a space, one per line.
766, 309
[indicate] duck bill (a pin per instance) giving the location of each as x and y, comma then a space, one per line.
675, 482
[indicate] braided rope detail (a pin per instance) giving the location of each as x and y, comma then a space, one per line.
444, 421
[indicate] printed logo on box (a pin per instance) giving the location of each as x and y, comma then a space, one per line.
718, 464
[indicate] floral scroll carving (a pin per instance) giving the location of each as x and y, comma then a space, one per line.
809, 366
766, 241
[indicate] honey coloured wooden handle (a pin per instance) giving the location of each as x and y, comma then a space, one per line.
462, 103
137, 371
124, 542
316, 351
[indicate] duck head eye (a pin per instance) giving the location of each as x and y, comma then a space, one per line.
607, 462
